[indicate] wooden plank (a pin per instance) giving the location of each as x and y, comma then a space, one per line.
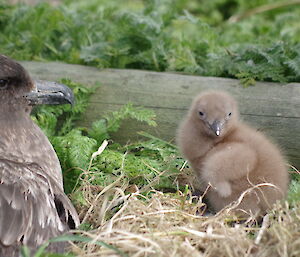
272, 107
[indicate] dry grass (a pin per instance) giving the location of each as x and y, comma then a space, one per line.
162, 224
137, 224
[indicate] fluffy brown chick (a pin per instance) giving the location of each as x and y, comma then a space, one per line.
231, 156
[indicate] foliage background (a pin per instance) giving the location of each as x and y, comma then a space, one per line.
191, 36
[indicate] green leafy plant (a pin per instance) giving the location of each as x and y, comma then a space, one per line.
42, 250
75, 149
59, 120
165, 35
141, 162
111, 122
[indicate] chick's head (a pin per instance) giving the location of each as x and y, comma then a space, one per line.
214, 113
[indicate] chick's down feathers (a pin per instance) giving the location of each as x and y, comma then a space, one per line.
231, 156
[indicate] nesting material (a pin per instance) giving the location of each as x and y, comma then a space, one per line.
159, 224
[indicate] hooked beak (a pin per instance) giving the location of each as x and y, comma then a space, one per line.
216, 127
47, 92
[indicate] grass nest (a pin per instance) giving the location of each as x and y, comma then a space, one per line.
123, 221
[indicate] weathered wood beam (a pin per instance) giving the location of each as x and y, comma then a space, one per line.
271, 107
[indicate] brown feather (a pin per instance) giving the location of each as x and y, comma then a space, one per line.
31, 184
237, 159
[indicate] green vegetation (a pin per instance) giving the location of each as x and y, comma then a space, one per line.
198, 37
141, 163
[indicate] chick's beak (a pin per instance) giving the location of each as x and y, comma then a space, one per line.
46, 92
216, 127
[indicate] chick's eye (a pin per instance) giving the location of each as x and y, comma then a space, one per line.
3, 83
201, 114
229, 114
